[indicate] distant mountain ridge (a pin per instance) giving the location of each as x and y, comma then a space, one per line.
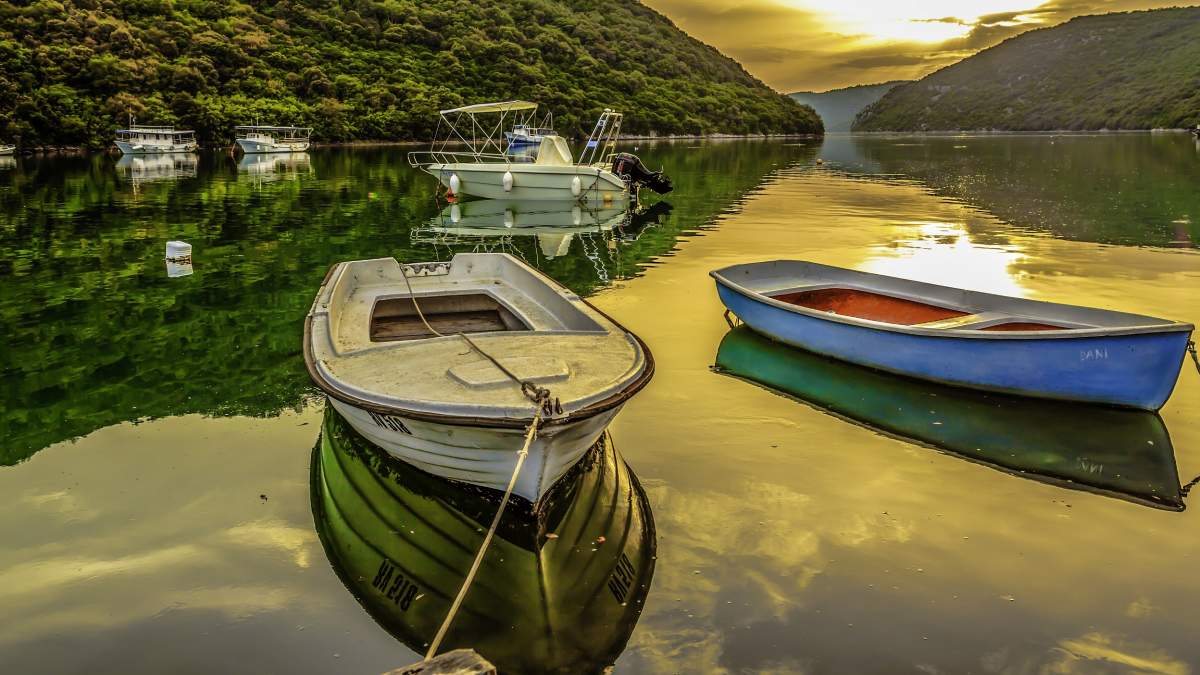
71, 71
838, 107
1129, 70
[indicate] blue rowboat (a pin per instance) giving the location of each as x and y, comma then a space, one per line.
960, 337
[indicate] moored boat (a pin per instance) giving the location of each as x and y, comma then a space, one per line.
523, 134
1119, 453
406, 379
144, 140
257, 139
474, 159
560, 589
7, 149
960, 337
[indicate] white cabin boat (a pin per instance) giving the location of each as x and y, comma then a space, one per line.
7, 149
434, 401
472, 158
142, 140
261, 139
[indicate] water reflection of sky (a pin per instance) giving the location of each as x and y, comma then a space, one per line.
788, 540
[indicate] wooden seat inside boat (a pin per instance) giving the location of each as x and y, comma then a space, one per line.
395, 319
868, 305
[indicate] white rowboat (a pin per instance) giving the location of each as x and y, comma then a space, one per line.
438, 403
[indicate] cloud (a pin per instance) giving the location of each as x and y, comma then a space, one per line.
796, 48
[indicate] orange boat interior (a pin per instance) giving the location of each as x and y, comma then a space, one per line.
888, 309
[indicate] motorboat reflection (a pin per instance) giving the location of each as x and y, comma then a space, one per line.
559, 589
274, 166
1120, 453
139, 168
494, 225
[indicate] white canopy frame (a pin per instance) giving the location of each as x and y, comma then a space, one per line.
484, 137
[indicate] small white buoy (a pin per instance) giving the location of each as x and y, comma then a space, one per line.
576, 186
179, 250
507, 181
455, 183
455, 213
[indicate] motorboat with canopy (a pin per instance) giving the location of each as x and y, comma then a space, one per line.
256, 139
144, 140
469, 156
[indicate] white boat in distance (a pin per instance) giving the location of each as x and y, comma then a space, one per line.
257, 139
436, 402
486, 169
7, 149
143, 140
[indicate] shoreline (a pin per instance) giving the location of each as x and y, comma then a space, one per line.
110, 150
79, 150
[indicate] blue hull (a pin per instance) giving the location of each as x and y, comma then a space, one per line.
1134, 370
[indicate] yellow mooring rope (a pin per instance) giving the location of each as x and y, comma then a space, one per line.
487, 539
542, 404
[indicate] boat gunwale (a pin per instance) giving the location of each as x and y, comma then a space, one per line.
1166, 326
632, 387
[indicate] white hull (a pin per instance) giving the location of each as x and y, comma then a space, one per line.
7, 149
258, 147
477, 455
128, 148
536, 182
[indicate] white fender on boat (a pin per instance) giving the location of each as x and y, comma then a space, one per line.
455, 212
508, 181
576, 215
576, 186
455, 183
510, 218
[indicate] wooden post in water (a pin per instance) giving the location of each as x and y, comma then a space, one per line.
457, 662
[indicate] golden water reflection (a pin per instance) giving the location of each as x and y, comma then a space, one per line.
797, 542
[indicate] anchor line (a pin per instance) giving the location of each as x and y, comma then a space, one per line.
487, 539
543, 405
1186, 488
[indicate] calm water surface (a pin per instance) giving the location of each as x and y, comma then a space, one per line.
159, 435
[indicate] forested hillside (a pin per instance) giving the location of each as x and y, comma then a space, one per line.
1133, 70
71, 71
838, 107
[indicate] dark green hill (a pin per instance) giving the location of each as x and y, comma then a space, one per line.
838, 107
71, 70
1134, 70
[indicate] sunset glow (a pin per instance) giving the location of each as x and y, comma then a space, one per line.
816, 45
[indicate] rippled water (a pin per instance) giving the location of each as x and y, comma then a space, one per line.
158, 431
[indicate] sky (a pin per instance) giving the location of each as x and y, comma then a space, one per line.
816, 45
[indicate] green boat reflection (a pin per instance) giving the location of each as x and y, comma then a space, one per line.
559, 590
1120, 453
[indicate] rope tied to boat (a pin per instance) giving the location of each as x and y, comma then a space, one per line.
539, 396
487, 538
544, 405
1191, 347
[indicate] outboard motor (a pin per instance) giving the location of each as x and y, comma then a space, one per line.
631, 169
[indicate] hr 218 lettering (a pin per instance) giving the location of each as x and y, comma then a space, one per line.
393, 585
389, 422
